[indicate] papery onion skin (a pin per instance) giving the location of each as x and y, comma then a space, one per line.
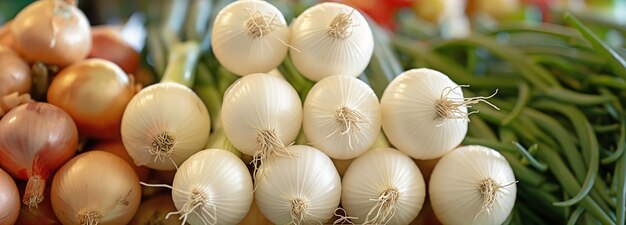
320, 120
14, 73
260, 102
314, 47
95, 183
309, 176
9, 200
51, 31
117, 147
165, 107
222, 178
95, 93
6, 38
107, 43
454, 186
154, 210
377, 171
409, 114
240, 51
35, 139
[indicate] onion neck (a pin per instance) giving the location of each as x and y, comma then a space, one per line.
182, 63
34, 191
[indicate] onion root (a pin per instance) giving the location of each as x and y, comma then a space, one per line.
384, 209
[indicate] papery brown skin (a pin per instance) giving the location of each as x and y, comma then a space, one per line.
117, 147
42, 215
36, 40
14, 73
9, 199
95, 93
107, 43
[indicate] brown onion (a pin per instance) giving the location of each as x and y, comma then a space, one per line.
6, 39
15, 79
95, 187
95, 93
35, 139
154, 211
52, 31
117, 147
9, 199
107, 43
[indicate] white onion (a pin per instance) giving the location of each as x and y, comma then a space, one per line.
249, 36
383, 186
472, 185
95, 187
329, 39
341, 117
212, 187
304, 189
425, 113
163, 125
261, 114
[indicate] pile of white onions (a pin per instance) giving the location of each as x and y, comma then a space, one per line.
303, 189
261, 115
95, 187
383, 186
163, 125
472, 184
211, 187
341, 117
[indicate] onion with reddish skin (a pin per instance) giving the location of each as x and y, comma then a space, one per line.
51, 31
35, 139
95, 187
154, 210
117, 147
107, 43
9, 199
95, 93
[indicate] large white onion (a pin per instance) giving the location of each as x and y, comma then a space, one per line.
163, 125
383, 186
250, 36
212, 187
261, 114
304, 189
424, 113
341, 117
95, 187
472, 185
329, 39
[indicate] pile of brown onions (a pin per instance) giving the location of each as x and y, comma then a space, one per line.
35, 139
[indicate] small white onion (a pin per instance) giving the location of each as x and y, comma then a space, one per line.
383, 186
424, 113
212, 187
341, 117
261, 114
304, 189
334, 35
163, 125
472, 185
250, 36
